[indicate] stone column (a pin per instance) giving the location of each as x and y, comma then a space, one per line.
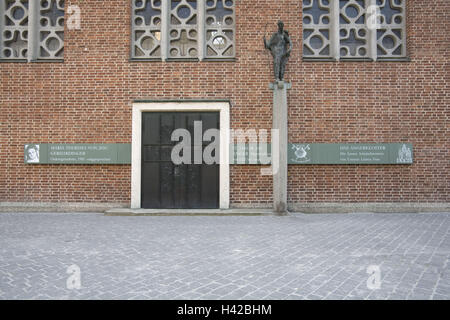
279, 151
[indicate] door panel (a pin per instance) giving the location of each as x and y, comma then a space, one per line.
166, 185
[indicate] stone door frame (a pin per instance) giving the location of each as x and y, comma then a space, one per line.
222, 107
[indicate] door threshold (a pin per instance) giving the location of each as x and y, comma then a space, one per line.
188, 212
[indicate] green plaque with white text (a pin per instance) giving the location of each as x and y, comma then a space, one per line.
350, 153
252, 153
78, 153
327, 153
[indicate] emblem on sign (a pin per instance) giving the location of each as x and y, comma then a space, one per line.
302, 153
404, 155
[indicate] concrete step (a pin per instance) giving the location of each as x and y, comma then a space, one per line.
188, 212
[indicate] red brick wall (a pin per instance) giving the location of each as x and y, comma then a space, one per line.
87, 99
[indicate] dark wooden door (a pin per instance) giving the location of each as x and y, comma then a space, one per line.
165, 185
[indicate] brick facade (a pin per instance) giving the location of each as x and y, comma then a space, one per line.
88, 99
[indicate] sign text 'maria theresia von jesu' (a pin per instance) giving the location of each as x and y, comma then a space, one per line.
78, 153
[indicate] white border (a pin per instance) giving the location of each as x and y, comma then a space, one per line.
224, 177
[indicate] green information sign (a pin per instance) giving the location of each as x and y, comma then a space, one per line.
78, 153
251, 153
324, 153
355, 153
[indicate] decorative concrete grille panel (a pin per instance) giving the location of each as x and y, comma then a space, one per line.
183, 29
32, 30
354, 29
391, 36
146, 28
316, 28
14, 29
220, 21
51, 29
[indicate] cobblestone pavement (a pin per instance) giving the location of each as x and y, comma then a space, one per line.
258, 257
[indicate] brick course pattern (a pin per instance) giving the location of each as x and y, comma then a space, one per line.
88, 99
